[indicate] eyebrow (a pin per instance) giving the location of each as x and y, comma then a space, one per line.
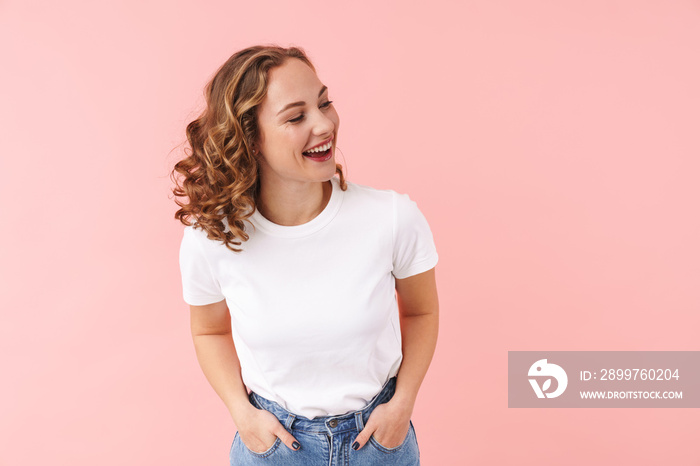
300, 103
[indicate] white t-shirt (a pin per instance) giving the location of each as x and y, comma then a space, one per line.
313, 307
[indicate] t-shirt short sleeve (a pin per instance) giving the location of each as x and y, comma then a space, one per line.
199, 285
414, 249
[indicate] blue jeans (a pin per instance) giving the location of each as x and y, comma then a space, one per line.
326, 441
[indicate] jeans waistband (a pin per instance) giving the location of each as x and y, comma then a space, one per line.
354, 420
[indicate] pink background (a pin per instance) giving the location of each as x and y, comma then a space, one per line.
553, 147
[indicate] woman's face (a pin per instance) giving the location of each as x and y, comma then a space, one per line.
296, 116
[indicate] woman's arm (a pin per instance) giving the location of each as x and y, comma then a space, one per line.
216, 353
418, 313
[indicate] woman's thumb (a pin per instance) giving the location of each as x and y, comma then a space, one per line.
287, 438
361, 439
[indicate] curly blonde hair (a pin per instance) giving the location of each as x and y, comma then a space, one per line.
220, 173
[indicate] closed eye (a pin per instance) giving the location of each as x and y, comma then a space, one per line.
324, 106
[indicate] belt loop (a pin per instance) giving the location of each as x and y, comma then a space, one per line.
358, 420
254, 400
290, 420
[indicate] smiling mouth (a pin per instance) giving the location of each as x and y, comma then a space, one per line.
319, 156
319, 149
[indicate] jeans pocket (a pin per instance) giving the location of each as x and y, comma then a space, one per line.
373, 441
264, 454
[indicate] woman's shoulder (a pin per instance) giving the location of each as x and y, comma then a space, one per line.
366, 191
380, 196
195, 235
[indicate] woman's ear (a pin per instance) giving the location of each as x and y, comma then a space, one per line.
255, 148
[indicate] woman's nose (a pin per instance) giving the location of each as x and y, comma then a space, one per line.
322, 123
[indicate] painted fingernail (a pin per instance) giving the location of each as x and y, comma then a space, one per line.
296, 445
355, 446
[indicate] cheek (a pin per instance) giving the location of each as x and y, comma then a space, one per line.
288, 140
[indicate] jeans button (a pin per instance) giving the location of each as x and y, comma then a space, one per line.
333, 422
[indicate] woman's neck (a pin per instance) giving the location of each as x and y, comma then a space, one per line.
293, 204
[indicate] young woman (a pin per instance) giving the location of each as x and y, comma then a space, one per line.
316, 294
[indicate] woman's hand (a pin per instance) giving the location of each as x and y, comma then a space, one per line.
259, 429
388, 423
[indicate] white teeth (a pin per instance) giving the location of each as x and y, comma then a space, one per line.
323, 148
